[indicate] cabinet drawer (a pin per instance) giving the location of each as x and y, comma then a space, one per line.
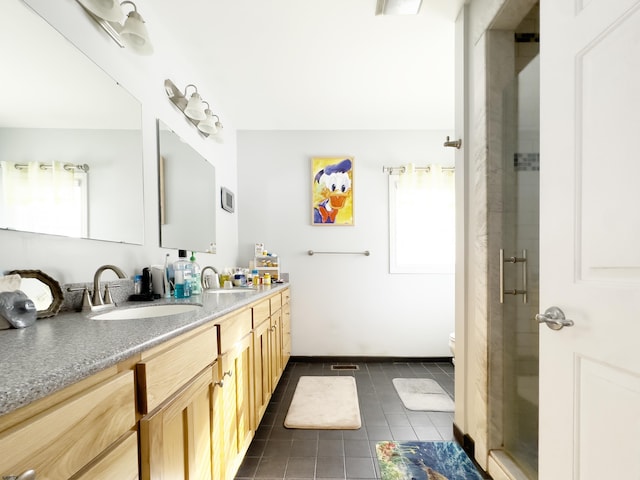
165, 372
286, 296
120, 461
233, 328
261, 312
276, 303
60, 441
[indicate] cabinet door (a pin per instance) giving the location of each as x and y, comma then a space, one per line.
276, 349
286, 333
217, 425
261, 369
176, 438
238, 404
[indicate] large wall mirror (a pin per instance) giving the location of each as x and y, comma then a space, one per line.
70, 138
187, 189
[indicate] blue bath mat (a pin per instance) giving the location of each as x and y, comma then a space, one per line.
424, 461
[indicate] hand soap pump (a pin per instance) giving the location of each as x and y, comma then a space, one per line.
182, 273
196, 286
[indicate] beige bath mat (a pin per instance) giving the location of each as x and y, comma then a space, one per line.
423, 394
324, 403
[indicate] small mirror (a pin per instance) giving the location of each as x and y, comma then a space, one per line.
44, 291
187, 184
70, 138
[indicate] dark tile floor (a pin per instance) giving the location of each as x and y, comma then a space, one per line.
280, 453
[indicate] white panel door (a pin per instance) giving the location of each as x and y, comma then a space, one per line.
590, 239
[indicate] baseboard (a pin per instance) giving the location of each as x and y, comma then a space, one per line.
364, 359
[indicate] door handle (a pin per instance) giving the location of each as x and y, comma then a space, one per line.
554, 318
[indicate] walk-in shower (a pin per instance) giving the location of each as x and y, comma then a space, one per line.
514, 249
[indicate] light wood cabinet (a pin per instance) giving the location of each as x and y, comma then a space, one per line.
275, 342
61, 440
177, 383
261, 365
217, 425
165, 369
176, 439
285, 329
199, 399
236, 363
271, 347
119, 461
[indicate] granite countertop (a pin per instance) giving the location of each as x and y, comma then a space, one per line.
59, 351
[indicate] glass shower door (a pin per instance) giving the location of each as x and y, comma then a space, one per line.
520, 231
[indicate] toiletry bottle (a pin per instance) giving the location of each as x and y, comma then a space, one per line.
182, 274
169, 278
196, 286
255, 278
137, 284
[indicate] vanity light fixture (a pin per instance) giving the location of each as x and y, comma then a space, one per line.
398, 7
197, 111
134, 32
106, 9
208, 125
219, 137
130, 31
195, 106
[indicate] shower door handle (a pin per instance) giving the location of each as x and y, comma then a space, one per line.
513, 291
554, 318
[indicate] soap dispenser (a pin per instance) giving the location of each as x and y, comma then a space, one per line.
182, 274
196, 286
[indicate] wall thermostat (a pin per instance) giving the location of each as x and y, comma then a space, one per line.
228, 200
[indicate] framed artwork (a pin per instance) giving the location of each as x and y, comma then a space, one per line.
332, 191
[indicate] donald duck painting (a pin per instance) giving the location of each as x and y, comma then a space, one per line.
332, 191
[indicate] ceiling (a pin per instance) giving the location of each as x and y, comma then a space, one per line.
316, 64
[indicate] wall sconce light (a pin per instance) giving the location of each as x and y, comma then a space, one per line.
130, 31
197, 111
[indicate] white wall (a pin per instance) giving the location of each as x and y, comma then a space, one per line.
73, 260
343, 305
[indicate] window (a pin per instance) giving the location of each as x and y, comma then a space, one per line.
45, 198
422, 220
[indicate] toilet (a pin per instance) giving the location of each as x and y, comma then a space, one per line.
452, 346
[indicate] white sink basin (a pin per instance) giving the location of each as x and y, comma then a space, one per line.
147, 311
231, 290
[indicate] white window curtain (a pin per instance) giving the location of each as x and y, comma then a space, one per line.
44, 198
422, 220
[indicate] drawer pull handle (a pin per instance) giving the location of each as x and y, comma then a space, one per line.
28, 475
219, 384
228, 372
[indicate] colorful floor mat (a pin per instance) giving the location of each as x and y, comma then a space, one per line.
424, 461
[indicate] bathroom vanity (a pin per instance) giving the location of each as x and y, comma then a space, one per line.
178, 396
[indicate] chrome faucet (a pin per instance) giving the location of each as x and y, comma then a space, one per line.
97, 297
204, 280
